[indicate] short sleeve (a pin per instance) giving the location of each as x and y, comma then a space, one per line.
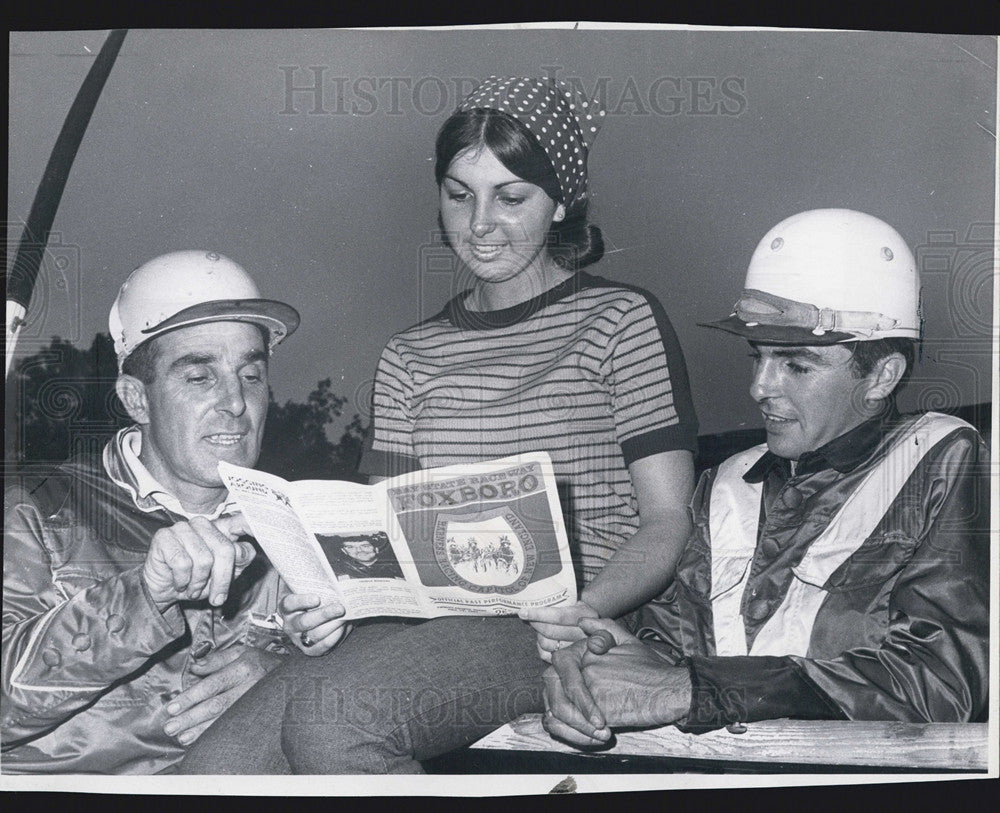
650, 391
388, 448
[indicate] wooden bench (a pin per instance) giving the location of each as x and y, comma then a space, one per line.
772, 746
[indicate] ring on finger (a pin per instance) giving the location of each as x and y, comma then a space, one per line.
305, 639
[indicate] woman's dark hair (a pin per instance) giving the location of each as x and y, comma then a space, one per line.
573, 242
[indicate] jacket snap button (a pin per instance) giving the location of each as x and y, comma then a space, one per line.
115, 623
792, 497
758, 609
51, 657
770, 547
81, 642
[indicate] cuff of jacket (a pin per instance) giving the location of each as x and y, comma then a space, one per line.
99, 635
171, 620
744, 689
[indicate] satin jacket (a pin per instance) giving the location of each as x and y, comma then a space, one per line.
902, 626
89, 663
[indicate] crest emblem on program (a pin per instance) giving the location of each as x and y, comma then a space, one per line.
487, 552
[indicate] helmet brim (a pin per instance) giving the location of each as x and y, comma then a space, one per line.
279, 319
777, 334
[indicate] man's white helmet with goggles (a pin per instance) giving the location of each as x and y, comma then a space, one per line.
827, 276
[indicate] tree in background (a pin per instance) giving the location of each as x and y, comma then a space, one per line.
66, 403
296, 445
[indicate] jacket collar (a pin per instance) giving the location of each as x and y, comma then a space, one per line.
121, 462
844, 453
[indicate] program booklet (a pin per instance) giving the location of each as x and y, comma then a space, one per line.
473, 539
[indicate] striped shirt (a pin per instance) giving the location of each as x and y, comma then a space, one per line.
589, 371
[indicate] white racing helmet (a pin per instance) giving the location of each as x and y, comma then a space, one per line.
827, 276
187, 288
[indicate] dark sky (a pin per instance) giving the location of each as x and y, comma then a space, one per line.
197, 142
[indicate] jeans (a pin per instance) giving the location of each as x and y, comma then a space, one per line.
388, 696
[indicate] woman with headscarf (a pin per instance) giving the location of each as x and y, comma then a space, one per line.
536, 354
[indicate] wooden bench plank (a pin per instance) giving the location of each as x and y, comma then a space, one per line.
938, 746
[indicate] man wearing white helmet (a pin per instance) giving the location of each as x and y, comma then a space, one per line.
839, 571
127, 594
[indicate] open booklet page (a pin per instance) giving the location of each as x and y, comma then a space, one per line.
476, 539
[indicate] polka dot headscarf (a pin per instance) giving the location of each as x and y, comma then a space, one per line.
563, 123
